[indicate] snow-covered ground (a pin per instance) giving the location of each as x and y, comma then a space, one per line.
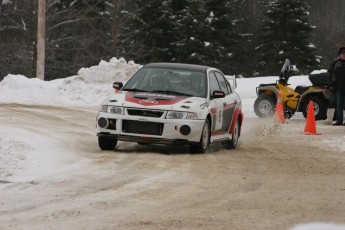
87, 90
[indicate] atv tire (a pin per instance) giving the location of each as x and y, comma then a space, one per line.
320, 107
264, 105
288, 113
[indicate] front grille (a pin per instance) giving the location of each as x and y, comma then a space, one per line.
144, 113
139, 127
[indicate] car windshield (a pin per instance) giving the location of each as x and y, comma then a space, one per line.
168, 81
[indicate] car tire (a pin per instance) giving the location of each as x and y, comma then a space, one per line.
202, 145
320, 108
106, 143
264, 105
232, 144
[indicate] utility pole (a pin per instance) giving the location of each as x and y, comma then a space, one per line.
41, 39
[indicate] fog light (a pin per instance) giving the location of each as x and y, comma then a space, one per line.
185, 130
103, 122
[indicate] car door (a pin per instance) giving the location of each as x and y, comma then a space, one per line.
216, 104
225, 105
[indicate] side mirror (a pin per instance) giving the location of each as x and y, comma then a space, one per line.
117, 85
232, 80
217, 94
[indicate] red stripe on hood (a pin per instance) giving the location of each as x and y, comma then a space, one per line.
150, 99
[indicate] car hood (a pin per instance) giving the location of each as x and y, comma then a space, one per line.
154, 100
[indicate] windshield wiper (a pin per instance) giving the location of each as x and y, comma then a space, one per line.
135, 90
171, 92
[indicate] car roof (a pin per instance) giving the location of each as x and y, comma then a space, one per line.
199, 68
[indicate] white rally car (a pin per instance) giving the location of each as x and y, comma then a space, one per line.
171, 103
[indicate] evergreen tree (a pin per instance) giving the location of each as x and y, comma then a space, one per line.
222, 43
145, 36
190, 31
285, 34
188, 27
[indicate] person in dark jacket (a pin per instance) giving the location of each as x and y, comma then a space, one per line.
331, 114
338, 80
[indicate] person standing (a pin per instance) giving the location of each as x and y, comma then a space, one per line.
338, 79
331, 114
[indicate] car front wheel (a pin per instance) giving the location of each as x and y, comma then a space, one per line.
202, 145
106, 143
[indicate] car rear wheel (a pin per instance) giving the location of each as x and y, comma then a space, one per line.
202, 145
231, 144
106, 143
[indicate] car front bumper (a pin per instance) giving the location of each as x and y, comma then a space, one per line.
149, 129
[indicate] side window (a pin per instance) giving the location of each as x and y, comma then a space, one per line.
224, 84
213, 83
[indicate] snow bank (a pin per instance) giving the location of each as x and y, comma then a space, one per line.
88, 88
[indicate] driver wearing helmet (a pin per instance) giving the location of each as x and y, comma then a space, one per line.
158, 83
196, 82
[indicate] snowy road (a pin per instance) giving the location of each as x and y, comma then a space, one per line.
277, 178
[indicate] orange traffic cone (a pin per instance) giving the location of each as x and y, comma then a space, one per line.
310, 126
279, 116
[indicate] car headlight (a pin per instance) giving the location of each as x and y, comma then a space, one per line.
111, 109
115, 109
181, 115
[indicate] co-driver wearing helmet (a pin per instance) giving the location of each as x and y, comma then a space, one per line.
196, 84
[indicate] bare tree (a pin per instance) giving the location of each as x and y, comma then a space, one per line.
16, 37
78, 35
